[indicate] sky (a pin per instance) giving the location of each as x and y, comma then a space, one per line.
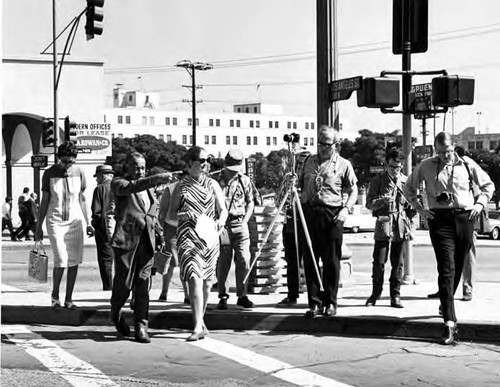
264, 51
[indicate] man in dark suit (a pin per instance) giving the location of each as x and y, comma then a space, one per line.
133, 241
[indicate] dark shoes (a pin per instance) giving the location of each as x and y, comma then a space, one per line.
433, 295
330, 311
162, 298
450, 335
122, 327
286, 303
315, 311
222, 305
141, 335
244, 302
467, 297
396, 302
371, 301
186, 301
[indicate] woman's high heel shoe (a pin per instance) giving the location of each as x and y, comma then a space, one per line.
56, 304
195, 336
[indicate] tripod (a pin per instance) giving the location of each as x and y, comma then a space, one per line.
291, 191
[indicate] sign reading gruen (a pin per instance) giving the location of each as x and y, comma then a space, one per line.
342, 89
94, 139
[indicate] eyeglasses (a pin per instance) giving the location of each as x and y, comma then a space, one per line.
395, 167
326, 144
203, 161
69, 160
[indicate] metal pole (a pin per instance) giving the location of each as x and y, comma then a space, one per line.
406, 66
54, 72
335, 61
322, 63
424, 131
193, 85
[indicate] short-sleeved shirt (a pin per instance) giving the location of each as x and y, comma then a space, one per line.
324, 183
238, 193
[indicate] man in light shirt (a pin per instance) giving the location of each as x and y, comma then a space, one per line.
451, 213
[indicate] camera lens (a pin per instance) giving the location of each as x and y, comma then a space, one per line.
292, 137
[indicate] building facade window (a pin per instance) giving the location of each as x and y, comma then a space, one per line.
235, 140
312, 125
470, 145
493, 145
479, 145
238, 123
120, 119
295, 125
249, 140
144, 120
191, 140
231, 123
275, 140
174, 121
311, 141
255, 140
289, 125
207, 140
228, 140
169, 137
247, 110
151, 120
270, 124
276, 124
167, 121
251, 124
127, 120
190, 122
257, 124
184, 139
162, 137
214, 140
307, 125
268, 141
217, 122
120, 135
305, 141
211, 122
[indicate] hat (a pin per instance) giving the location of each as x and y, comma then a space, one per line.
103, 169
234, 160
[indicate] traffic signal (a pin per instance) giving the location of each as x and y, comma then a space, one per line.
94, 16
69, 130
381, 92
452, 90
47, 133
417, 20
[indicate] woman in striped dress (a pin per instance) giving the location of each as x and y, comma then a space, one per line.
198, 206
64, 206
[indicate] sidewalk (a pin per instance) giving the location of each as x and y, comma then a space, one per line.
479, 319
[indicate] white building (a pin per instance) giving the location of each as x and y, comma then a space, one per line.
251, 127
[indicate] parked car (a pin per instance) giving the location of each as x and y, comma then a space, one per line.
359, 222
490, 225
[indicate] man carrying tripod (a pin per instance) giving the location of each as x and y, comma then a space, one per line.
325, 179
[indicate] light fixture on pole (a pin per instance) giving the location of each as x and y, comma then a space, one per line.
191, 68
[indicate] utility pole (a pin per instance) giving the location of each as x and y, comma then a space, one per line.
191, 68
54, 72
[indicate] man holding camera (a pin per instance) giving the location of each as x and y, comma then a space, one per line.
451, 213
392, 228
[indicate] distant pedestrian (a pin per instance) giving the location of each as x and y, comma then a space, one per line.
392, 228
65, 210
32, 211
7, 218
103, 222
23, 211
451, 213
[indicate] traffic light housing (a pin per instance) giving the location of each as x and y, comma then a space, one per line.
418, 25
381, 92
452, 90
48, 133
69, 130
94, 17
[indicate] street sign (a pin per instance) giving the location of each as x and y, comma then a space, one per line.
39, 161
342, 89
422, 152
421, 100
377, 169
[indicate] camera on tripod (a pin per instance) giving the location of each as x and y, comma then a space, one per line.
292, 137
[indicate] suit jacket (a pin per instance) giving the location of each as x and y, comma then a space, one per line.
131, 215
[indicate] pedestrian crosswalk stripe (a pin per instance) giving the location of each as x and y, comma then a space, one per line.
279, 369
75, 371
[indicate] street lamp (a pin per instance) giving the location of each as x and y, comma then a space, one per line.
191, 68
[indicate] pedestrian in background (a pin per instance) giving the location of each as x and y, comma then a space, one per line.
32, 212
65, 210
451, 213
197, 207
23, 230
7, 218
103, 222
392, 228
170, 237
238, 193
134, 242
329, 192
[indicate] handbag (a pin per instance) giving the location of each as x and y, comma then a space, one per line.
224, 237
38, 262
162, 259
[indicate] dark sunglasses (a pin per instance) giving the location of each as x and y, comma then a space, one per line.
326, 144
207, 160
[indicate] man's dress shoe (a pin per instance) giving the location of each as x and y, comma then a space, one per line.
371, 301
122, 327
450, 335
315, 311
433, 295
141, 335
396, 302
330, 311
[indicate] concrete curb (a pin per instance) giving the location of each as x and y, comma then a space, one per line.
427, 328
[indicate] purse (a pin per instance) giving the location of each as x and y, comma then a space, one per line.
38, 262
162, 259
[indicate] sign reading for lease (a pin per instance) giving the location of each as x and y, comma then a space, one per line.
94, 139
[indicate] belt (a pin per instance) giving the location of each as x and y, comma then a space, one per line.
454, 211
235, 217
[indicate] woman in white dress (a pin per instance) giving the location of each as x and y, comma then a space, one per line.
64, 207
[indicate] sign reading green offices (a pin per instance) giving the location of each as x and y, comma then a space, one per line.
93, 140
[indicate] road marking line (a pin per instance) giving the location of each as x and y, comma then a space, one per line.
75, 371
266, 364
8, 288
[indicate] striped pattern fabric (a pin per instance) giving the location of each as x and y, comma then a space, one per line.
197, 198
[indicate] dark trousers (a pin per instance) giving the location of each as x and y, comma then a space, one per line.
451, 236
7, 224
292, 261
104, 257
326, 238
24, 228
143, 258
380, 255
